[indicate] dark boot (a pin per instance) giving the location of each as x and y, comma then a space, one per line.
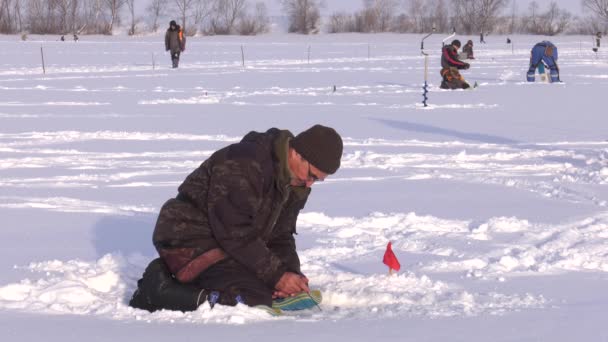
157, 289
175, 59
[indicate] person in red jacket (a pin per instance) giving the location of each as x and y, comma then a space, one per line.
450, 64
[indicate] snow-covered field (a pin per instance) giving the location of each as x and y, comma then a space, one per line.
495, 199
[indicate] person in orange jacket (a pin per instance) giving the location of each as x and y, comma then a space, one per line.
175, 42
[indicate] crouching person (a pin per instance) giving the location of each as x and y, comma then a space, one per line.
450, 64
467, 51
227, 237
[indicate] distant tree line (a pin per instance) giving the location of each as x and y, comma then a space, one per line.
246, 17
470, 17
104, 16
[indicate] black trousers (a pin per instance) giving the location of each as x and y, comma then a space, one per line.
175, 58
232, 279
158, 289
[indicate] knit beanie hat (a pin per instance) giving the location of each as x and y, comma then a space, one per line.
321, 146
456, 42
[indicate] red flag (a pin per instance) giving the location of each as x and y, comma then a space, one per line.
390, 259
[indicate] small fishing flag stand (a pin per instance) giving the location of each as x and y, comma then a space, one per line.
390, 259
425, 88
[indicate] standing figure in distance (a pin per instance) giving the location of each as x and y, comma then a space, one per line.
175, 42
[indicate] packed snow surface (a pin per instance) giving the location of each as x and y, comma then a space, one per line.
494, 199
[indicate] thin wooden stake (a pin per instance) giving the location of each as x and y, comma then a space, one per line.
308, 54
243, 55
42, 55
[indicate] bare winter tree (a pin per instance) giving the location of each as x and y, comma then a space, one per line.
17, 11
114, 6
419, 13
6, 25
381, 13
92, 17
531, 22
598, 7
66, 14
76, 16
403, 24
304, 15
341, 22
261, 18
185, 7
155, 9
553, 21
255, 23
513, 19
131, 7
202, 12
226, 14
477, 15
587, 25
39, 16
382, 16
441, 16
11, 16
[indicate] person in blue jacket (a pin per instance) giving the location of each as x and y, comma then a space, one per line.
543, 55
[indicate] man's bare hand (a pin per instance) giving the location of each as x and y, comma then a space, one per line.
279, 294
291, 284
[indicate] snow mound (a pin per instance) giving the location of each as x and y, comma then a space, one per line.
103, 288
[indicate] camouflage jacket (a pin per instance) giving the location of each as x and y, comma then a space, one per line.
238, 204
